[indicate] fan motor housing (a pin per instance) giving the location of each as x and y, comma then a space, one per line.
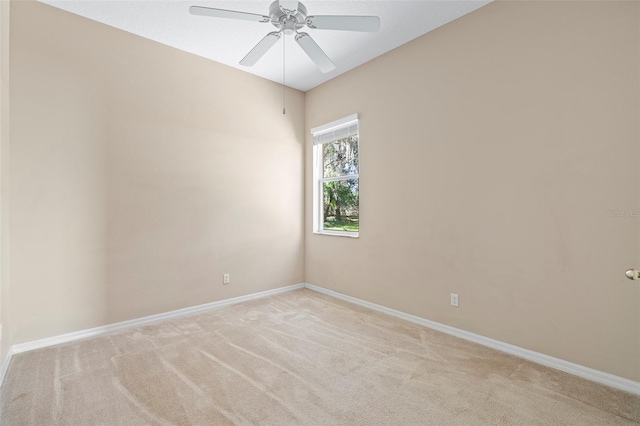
288, 23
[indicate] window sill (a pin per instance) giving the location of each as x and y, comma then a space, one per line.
338, 233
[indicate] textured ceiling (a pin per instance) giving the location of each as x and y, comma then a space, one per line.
228, 41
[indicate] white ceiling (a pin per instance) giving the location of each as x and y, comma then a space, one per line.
228, 41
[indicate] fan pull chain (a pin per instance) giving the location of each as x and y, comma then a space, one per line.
284, 88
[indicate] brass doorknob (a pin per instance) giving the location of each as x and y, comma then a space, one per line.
633, 274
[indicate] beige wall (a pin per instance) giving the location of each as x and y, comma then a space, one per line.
139, 175
490, 149
6, 341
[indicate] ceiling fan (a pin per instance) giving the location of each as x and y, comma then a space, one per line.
289, 17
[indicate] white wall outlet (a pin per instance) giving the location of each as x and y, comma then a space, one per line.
454, 299
226, 279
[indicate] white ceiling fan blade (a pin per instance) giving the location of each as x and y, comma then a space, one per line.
369, 24
314, 52
289, 5
229, 14
260, 49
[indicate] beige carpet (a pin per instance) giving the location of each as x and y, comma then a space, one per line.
297, 358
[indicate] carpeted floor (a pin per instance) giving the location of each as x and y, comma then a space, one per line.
296, 358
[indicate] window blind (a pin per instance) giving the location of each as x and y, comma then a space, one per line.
336, 130
336, 134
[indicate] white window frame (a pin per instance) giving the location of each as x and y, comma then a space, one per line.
318, 180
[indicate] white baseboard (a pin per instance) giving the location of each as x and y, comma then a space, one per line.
5, 366
96, 331
537, 357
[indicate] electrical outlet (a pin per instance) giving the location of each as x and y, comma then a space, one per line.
454, 299
226, 279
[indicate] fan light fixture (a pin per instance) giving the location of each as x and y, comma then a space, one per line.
289, 17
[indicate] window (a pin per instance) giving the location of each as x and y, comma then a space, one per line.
336, 178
